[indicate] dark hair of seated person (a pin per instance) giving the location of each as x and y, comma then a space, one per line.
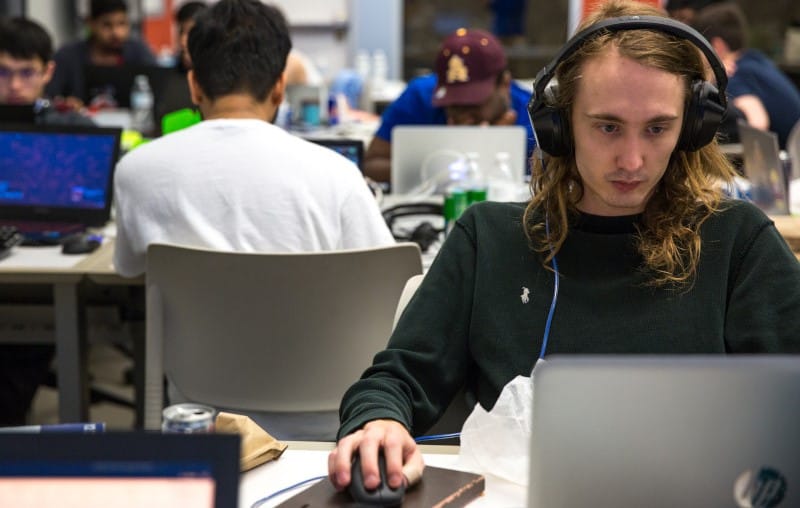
239, 47
102, 7
24, 39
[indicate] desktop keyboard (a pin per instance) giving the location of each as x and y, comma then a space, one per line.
9, 237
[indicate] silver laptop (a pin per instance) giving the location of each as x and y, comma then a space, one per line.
763, 167
413, 144
688, 431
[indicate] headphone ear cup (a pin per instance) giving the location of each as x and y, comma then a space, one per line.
702, 116
550, 124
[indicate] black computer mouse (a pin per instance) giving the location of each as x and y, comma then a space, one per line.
383, 495
81, 243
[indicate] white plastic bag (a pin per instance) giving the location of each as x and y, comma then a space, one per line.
498, 442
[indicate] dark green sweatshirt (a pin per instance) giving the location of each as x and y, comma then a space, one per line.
478, 318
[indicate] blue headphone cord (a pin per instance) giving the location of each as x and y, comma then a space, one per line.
556, 277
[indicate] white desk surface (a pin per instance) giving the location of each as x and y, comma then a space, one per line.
304, 460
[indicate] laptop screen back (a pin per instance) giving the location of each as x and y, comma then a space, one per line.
666, 431
57, 173
114, 83
414, 146
123, 470
352, 149
764, 169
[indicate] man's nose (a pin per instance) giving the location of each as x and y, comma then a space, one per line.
631, 153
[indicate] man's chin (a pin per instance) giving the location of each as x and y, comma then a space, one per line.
113, 47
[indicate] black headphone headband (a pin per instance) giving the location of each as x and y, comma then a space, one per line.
661, 24
703, 112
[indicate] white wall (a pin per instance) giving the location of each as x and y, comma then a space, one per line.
329, 32
54, 16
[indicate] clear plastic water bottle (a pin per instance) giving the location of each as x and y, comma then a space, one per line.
476, 179
142, 105
456, 199
380, 71
501, 179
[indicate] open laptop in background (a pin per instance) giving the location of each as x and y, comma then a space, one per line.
666, 431
18, 113
115, 82
352, 149
764, 169
413, 144
56, 180
123, 470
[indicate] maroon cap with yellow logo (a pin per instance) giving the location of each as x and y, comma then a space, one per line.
467, 67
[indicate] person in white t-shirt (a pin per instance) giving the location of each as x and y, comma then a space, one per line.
235, 181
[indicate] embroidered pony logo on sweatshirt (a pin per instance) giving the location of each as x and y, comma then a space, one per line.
524, 296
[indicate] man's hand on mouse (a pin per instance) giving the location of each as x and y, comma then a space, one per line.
403, 459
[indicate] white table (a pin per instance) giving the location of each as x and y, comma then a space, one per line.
303, 460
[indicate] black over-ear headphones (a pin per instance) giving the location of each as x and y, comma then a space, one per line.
702, 114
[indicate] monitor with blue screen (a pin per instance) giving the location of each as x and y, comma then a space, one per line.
352, 149
57, 173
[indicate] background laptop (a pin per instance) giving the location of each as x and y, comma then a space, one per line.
666, 432
56, 180
18, 113
123, 470
117, 81
412, 144
764, 169
352, 149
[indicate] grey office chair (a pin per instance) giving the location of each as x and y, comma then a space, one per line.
284, 334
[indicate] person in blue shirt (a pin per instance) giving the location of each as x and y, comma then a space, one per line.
768, 98
472, 86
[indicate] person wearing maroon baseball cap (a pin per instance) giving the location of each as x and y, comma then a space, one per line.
471, 86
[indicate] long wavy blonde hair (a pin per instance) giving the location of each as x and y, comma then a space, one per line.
668, 237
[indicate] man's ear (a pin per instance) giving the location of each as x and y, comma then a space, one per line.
195, 91
49, 69
505, 80
278, 91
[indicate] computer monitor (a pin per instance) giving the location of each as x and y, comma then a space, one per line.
57, 173
352, 149
414, 146
123, 469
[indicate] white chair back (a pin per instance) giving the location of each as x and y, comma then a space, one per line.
268, 332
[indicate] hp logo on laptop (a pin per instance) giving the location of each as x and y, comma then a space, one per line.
759, 488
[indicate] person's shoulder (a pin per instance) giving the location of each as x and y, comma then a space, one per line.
72, 48
738, 215
422, 84
141, 157
495, 212
138, 49
752, 60
493, 222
